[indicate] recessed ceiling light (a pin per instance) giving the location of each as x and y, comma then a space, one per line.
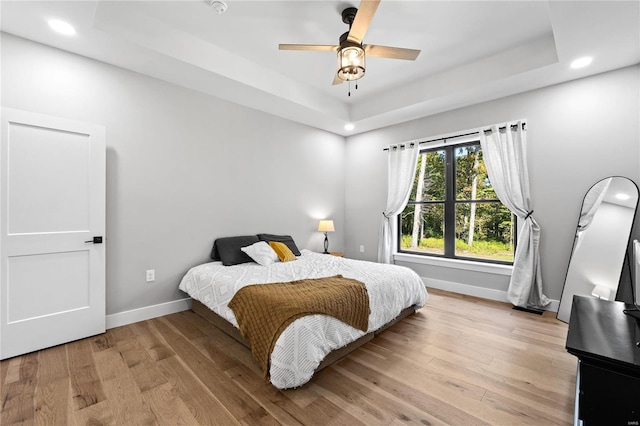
61, 27
621, 196
349, 126
581, 62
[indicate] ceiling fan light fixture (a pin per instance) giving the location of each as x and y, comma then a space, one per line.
351, 63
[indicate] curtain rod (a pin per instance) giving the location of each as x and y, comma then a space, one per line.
500, 129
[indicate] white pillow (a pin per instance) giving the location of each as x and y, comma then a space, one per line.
261, 253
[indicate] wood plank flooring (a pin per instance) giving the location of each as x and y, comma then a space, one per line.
459, 360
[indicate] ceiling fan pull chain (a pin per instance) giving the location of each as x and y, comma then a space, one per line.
349, 88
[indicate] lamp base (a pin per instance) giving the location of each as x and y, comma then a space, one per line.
326, 244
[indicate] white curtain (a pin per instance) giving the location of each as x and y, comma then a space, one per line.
402, 169
504, 154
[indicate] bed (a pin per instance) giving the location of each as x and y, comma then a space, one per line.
313, 341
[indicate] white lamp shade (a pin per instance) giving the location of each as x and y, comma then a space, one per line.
326, 226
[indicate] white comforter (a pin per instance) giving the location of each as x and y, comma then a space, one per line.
304, 344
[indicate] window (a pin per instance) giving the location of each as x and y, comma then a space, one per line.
453, 210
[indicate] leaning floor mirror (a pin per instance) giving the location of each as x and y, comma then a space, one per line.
600, 243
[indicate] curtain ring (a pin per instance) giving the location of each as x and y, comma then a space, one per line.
528, 214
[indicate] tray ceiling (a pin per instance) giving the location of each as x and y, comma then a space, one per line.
472, 51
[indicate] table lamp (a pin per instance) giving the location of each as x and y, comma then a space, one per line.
326, 226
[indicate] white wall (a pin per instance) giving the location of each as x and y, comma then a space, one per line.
182, 168
578, 133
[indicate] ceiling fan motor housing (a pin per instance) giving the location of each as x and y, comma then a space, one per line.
349, 15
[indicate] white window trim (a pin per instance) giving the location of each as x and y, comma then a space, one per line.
467, 265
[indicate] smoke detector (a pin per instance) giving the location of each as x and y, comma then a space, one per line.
219, 6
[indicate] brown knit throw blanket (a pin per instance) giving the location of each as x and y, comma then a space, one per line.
263, 311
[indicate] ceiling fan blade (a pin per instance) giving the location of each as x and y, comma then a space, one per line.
337, 80
391, 52
317, 47
360, 25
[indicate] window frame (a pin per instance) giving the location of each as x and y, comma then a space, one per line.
449, 205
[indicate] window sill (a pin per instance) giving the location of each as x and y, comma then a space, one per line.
467, 265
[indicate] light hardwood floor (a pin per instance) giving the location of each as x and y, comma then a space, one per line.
460, 360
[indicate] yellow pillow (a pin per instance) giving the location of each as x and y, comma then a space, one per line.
283, 252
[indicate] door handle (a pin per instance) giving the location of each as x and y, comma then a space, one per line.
95, 240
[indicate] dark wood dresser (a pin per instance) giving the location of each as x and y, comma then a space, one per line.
607, 344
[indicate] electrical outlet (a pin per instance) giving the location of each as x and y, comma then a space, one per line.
151, 275
361, 249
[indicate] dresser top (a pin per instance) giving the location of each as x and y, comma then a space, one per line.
600, 330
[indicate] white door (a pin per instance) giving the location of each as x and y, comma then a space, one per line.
52, 205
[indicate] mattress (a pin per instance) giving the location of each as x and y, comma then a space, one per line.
304, 344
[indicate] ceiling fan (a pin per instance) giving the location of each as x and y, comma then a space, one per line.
351, 51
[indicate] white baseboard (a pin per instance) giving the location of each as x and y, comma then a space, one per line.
148, 312
472, 290
154, 311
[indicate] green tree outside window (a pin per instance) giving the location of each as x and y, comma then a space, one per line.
453, 210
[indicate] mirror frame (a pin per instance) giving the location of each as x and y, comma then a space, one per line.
575, 236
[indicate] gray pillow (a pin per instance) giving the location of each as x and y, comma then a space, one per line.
286, 239
227, 249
